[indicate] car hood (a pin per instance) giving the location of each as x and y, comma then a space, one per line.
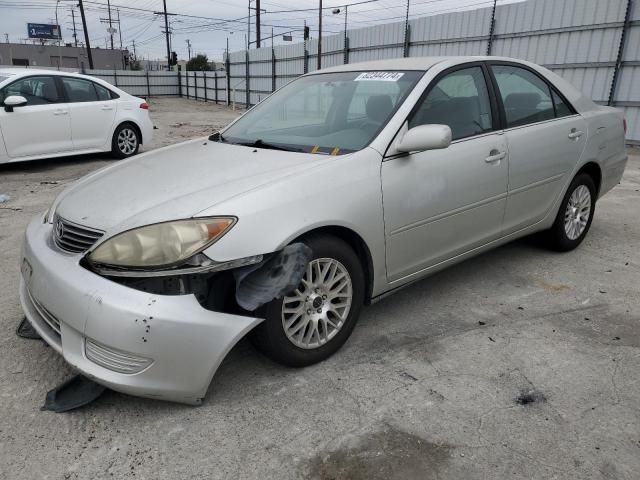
175, 182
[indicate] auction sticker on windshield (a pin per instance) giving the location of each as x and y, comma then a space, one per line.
379, 76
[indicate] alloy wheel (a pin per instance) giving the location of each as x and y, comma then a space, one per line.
127, 141
577, 214
316, 311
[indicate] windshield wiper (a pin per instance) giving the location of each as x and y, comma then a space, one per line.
260, 144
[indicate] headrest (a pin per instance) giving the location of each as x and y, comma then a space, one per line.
379, 107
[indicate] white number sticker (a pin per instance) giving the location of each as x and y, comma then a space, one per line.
379, 76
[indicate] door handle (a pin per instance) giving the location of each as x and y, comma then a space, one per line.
495, 156
107, 107
575, 134
60, 112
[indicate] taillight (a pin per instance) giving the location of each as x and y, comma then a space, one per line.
624, 123
144, 106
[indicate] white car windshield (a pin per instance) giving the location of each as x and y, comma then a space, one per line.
331, 113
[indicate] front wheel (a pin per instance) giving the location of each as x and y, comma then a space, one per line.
126, 141
311, 323
575, 214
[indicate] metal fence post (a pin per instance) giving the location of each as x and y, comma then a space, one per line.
273, 70
148, 84
115, 77
204, 79
179, 72
195, 85
345, 60
246, 81
306, 59
620, 57
492, 26
215, 85
228, 80
407, 40
186, 81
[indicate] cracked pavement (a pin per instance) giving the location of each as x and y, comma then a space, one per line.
430, 385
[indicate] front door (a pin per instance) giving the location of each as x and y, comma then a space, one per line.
42, 126
442, 203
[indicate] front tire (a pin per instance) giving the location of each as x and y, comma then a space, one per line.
126, 141
575, 215
311, 323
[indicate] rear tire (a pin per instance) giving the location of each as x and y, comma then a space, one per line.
126, 141
574, 216
313, 322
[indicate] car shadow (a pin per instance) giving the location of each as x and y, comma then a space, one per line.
46, 164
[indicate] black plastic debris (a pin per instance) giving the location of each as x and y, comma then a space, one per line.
272, 278
26, 330
74, 393
527, 397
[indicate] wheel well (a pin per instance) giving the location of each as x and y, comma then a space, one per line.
134, 125
359, 246
593, 170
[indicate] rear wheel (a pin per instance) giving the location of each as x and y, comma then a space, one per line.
575, 214
126, 141
314, 321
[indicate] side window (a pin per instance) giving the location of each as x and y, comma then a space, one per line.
37, 90
460, 100
525, 96
79, 90
103, 93
562, 109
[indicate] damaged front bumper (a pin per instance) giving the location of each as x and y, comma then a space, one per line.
150, 345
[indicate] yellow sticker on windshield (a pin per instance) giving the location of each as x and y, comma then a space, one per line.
315, 149
334, 151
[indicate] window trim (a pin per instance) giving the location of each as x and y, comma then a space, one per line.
36, 75
552, 89
496, 120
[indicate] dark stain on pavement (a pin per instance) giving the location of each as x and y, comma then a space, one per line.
386, 454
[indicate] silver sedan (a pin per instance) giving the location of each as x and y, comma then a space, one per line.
341, 187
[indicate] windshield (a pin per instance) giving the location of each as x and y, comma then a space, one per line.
331, 113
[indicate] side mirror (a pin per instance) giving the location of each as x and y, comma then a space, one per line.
14, 101
425, 137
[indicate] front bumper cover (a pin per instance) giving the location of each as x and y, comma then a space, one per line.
185, 342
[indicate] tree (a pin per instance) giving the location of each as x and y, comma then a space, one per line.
200, 62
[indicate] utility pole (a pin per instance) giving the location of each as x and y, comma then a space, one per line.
188, 47
257, 23
119, 28
86, 34
248, 23
320, 35
75, 33
166, 30
134, 48
110, 25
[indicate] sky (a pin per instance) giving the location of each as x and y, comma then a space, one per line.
207, 24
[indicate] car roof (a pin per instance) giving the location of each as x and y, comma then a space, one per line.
35, 71
413, 63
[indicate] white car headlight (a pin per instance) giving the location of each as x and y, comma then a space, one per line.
161, 244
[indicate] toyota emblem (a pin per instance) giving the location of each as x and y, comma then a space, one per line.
59, 229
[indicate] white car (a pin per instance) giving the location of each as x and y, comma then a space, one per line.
340, 188
46, 113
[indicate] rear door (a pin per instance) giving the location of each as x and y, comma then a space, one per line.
40, 127
92, 112
442, 203
545, 136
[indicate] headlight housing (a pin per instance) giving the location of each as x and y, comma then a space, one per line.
162, 244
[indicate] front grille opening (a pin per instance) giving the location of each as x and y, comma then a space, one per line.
72, 237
